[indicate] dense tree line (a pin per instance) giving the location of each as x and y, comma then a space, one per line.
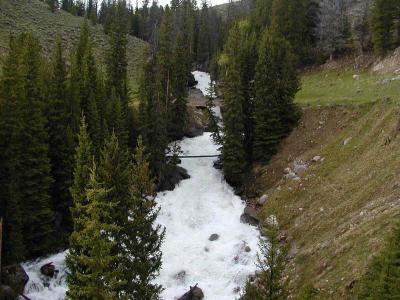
258, 89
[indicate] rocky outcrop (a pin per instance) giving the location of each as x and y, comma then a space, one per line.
195, 293
15, 278
172, 178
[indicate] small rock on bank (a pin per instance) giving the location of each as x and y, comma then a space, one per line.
250, 216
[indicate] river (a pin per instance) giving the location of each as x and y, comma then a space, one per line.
199, 207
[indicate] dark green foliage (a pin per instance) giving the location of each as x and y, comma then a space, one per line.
276, 84
116, 77
152, 122
214, 120
27, 183
61, 141
33, 172
178, 110
11, 91
382, 24
233, 152
382, 280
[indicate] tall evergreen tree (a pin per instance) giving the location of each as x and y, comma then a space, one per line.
33, 172
96, 276
233, 152
276, 84
178, 109
61, 141
11, 91
143, 239
271, 264
152, 121
382, 26
116, 67
79, 211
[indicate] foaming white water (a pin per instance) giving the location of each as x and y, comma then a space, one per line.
203, 81
200, 206
40, 287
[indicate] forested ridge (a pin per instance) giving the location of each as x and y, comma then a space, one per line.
83, 150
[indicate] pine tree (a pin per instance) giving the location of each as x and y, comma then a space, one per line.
34, 178
276, 84
204, 41
152, 121
233, 152
382, 23
178, 111
79, 211
61, 143
13, 248
143, 239
96, 276
271, 262
214, 120
116, 67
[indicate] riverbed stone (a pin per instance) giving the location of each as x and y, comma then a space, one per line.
48, 269
213, 237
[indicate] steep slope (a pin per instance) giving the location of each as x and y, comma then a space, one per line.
337, 211
34, 15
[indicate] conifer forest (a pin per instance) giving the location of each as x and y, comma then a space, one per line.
199, 149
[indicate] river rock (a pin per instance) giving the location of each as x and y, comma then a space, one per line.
48, 269
172, 178
15, 277
195, 293
217, 165
213, 237
250, 216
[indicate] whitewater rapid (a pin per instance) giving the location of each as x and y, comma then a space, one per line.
198, 207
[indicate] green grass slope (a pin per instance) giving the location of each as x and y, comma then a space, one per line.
336, 215
34, 16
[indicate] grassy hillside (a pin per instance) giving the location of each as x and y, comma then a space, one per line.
339, 87
336, 214
34, 16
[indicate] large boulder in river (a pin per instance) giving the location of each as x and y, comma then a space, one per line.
48, 269
172, 178
15, 277
195, 293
